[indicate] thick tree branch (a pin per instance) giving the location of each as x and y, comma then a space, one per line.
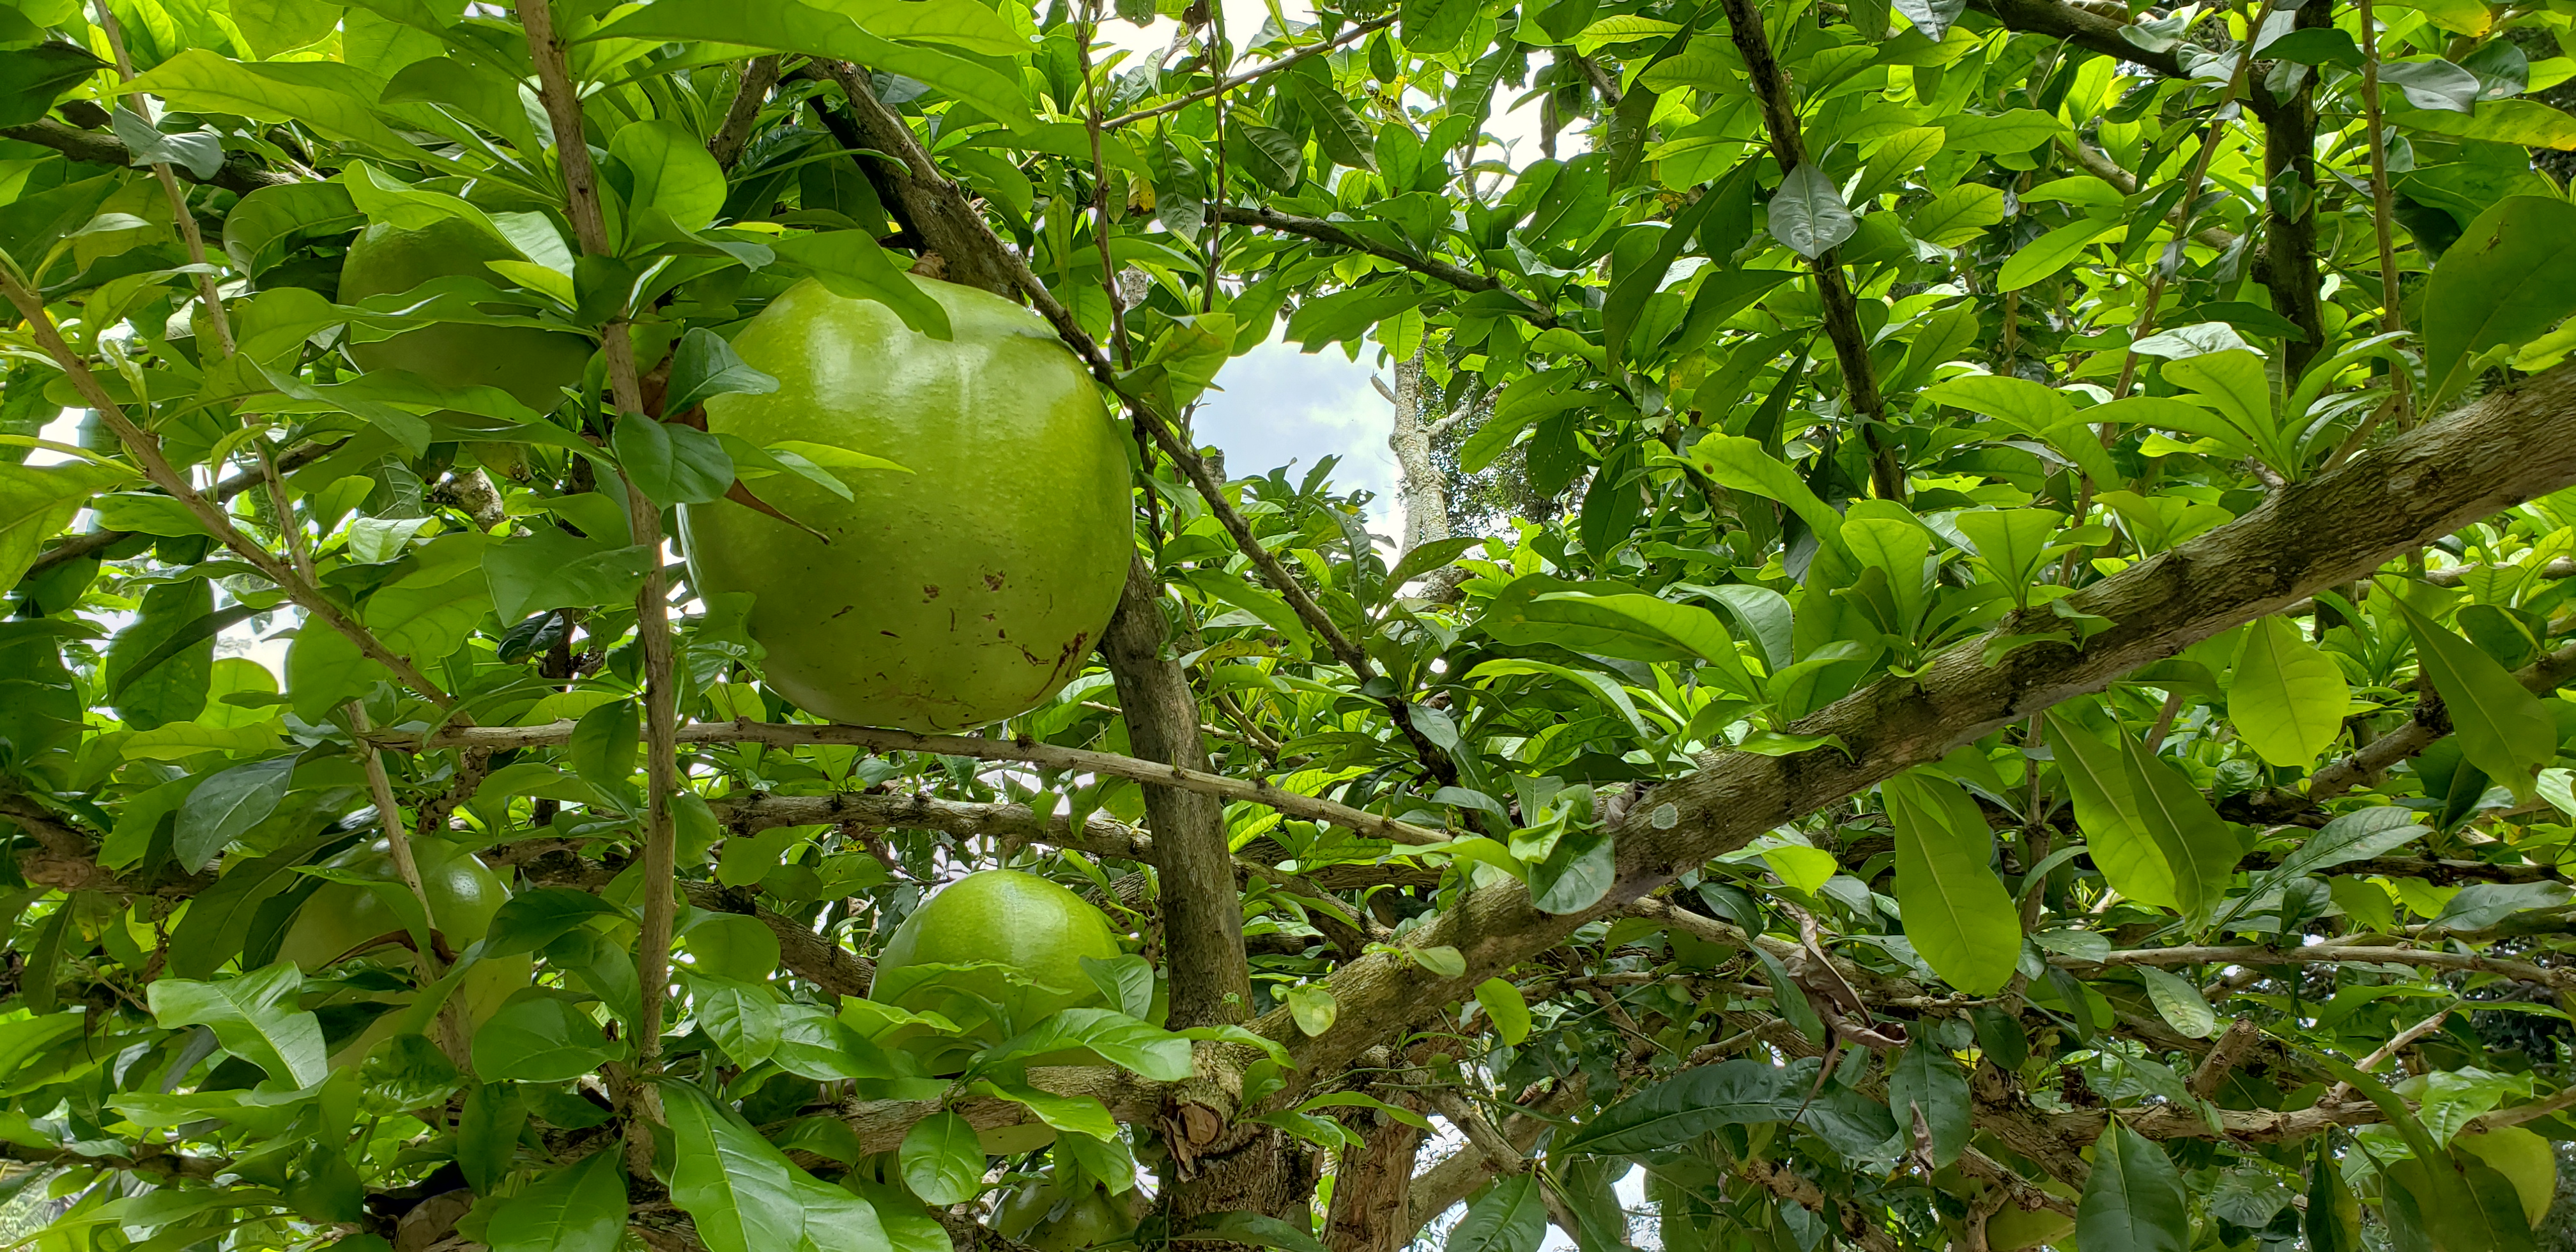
2082, 27
2508, 447
1211, 981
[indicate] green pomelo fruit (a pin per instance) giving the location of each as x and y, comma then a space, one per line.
963, 592
532, 365
1039, 1215
2526, 1160
342, 920
2013, 1228
998, 923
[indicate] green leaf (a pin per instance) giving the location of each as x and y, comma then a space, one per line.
672, 464
31, 79
540, 1039
669, 169
2511, 277
1510, 1217
1431, 27
581, 1208
1958, 215
1742, 464
2134, 1200
2198, 847
2097, 775
36, 503
851, 265
1079, 1115
1926, 1079
1313, 1008
2045, 256
534, 918
225, 806
550, 568
1682, 1108
2286, 698
2503, 729
1440, 959
2013, 543
740, 1017
745, 1195
2027, 406
1578, 871
151, 683
2179, 1002
1808, 213
1504, 1004
328, 96
2521, 123
253, 1017
942, 1160
1957, 912
788, 26
487, 1134
1124, 1041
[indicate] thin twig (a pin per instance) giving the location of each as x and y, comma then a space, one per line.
777, 734
146, 448
454, 1039
758, 76
2392, 318
1222, 85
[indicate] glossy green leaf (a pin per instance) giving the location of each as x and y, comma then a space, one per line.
1956, 911
2134, 1199
2503, 729
2286, 698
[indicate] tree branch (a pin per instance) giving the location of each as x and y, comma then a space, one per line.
2082, 27
240, 171
1223, 85
1340, 236
2506, 448
1833, 290
777, 734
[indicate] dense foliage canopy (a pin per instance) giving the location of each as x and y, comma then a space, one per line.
1972, 661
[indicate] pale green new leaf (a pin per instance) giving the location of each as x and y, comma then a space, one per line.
2286, 698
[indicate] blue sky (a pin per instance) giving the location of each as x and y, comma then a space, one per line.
1280, 406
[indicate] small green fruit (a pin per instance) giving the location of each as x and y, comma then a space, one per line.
532, 365
1024, 938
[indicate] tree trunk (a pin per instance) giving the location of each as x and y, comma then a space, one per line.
1418, 482
2289, 260
1370, 1185
1211, 982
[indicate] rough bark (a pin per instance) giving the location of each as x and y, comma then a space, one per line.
2289, 217
1370, 1182
1202, 922
2333, 528
2081, 27
1418, 482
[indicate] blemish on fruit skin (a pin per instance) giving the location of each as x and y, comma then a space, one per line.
993, 582
844, 609
929, 591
